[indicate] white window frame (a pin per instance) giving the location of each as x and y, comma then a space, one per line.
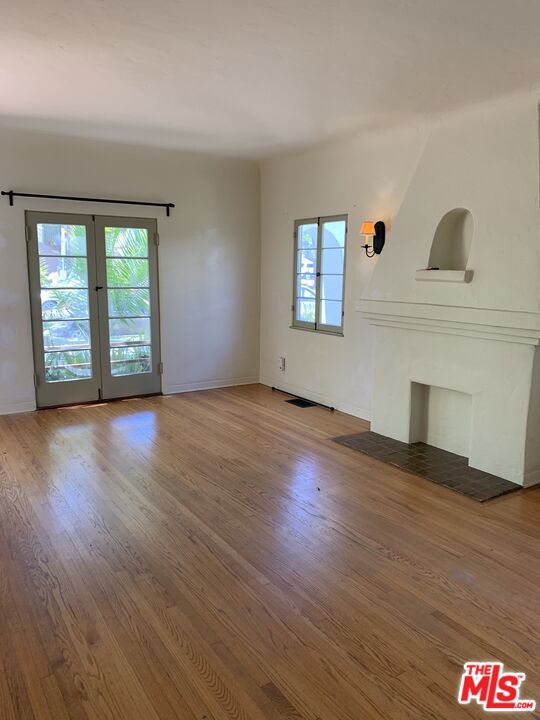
317, 326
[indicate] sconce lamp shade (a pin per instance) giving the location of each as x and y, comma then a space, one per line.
368, 228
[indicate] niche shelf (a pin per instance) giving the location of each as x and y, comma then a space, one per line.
452, 276
450, 249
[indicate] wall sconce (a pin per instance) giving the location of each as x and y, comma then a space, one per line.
378, 232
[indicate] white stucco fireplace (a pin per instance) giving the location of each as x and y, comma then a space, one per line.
462, 379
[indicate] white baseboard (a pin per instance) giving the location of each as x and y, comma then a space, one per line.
348, 408
20, 406
209, 385
531, 478
357, 411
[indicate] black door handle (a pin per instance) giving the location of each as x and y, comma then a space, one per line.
99, 287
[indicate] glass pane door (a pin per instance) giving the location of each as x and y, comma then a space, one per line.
127, 269
62, 273
94, 300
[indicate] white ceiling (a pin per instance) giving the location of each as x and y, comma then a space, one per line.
255, 76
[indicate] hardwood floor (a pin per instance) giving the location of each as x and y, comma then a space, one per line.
214, 555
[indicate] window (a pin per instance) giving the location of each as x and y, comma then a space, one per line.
319, 273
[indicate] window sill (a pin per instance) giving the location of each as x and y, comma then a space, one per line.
318, 332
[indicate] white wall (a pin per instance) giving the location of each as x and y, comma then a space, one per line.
367, 178
208, 255
483, 158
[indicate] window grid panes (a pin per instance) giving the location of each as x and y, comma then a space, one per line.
65, 313
128, 295
319, 273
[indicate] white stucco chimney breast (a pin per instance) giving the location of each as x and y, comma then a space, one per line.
456, 360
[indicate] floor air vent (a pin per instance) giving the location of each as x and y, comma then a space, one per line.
300, 402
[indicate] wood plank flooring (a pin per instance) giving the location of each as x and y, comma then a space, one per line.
215, 556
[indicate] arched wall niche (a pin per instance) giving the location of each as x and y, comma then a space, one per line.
452, 241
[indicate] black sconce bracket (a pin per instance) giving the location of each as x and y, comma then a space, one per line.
378, 240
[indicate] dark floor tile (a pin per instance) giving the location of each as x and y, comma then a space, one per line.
438, 466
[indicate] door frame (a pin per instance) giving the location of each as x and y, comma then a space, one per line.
77, 392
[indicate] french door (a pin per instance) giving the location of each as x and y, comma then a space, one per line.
94, 303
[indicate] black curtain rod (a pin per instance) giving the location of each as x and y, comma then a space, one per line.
12, 194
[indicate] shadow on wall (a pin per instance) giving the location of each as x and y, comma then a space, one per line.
452, 241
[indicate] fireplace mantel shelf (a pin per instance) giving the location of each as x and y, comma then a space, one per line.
453, 276
502, 325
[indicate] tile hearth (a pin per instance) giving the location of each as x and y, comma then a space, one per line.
438, 466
